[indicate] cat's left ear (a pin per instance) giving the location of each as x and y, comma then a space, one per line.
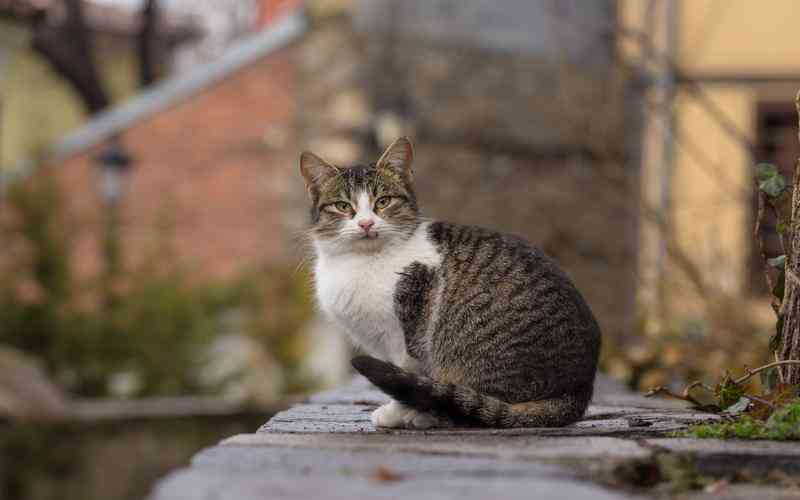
399, 156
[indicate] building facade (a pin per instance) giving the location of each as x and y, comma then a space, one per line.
721, 78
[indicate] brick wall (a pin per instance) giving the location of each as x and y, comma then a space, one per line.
214, 168
270, 11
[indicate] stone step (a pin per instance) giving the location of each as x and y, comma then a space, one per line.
327, 448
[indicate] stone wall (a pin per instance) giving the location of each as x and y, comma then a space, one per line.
504, 140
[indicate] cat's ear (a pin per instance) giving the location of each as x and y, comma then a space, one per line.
315, 169
398, 156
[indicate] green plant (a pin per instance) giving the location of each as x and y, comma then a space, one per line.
772, 411
782, 425
278, 308
156, 331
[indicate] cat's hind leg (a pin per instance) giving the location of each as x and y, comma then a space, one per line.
399, 416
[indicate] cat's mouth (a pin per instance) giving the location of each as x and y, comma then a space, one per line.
370, 236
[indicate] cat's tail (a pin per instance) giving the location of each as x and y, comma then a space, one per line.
467, 405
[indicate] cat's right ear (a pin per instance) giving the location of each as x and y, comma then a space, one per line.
315, 169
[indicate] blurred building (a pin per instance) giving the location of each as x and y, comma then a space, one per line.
618, 136
36, 106
516, 110
720, 81
224, 23
209, 163
518, 117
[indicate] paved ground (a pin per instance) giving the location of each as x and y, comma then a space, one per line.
328, 449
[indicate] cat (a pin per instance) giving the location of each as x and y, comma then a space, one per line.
460, 325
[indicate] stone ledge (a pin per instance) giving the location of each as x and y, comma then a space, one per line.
486, 446
254, 472
614, 412
627, 422
718, 457
327, 448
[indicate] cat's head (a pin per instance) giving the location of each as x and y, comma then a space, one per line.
362, 208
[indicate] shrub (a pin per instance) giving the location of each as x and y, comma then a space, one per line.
153, 323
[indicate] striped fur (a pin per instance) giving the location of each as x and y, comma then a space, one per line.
464, 405
463, 324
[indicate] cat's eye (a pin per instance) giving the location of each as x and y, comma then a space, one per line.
342, 206
383, 202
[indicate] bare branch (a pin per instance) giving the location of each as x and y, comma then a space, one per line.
759, 400
148, 63
750, 373
661, 390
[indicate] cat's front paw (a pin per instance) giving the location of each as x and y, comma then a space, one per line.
398, 416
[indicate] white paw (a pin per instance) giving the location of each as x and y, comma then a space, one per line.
397, 415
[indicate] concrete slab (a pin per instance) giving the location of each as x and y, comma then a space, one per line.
719, 457
501, 447
250, 472
327, 448
727, 491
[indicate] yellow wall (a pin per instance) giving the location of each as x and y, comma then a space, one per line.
728, 37
711, 190
736, 36
39, 107
710, 181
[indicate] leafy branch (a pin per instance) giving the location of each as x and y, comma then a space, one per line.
727, 392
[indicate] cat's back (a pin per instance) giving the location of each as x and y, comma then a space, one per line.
487, 275
477, 253
508, 308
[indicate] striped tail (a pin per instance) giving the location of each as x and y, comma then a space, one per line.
467, 405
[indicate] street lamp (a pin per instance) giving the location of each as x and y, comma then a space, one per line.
114, 164
114, 167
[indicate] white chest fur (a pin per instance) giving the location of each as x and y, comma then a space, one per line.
357, 292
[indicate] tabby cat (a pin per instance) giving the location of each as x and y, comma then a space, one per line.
461, 325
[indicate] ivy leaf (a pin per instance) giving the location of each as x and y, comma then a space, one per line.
781, 227
771, 181
766, 171
778, 262
773, 186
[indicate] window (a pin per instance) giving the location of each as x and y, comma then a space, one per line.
776, 143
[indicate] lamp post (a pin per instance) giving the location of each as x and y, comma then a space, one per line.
113, 165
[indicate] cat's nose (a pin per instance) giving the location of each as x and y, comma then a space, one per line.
366, 225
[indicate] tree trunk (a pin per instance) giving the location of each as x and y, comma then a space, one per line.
148, 43
790, 335
68, 49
